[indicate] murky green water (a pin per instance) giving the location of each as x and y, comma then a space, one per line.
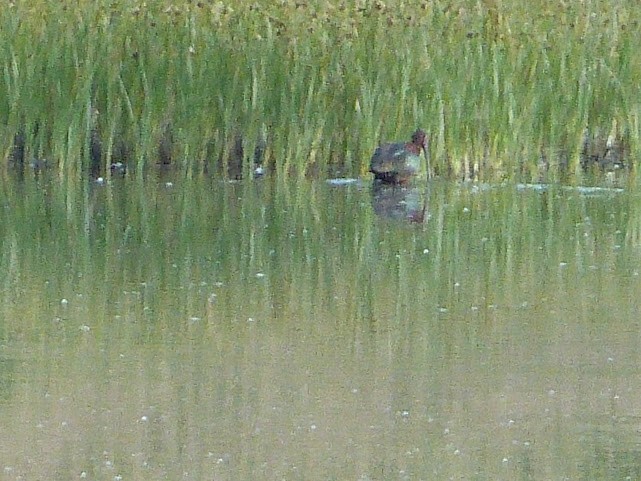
210, 331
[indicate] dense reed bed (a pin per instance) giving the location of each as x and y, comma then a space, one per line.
504, 88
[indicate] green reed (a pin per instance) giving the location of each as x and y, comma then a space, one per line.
503, 90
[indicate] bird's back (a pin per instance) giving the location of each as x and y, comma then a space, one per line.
388, 158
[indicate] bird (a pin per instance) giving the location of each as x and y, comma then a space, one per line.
398, 163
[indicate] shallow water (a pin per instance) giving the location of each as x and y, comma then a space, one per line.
202, 330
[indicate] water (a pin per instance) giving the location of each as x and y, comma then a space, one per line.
203, 330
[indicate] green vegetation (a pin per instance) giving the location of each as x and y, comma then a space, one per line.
504, 88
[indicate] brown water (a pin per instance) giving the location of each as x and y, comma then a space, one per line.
266, 331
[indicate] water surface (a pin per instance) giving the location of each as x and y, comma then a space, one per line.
264, 330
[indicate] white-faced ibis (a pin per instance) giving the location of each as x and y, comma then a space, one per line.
398, 163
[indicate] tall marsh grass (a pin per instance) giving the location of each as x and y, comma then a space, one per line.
504, 88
